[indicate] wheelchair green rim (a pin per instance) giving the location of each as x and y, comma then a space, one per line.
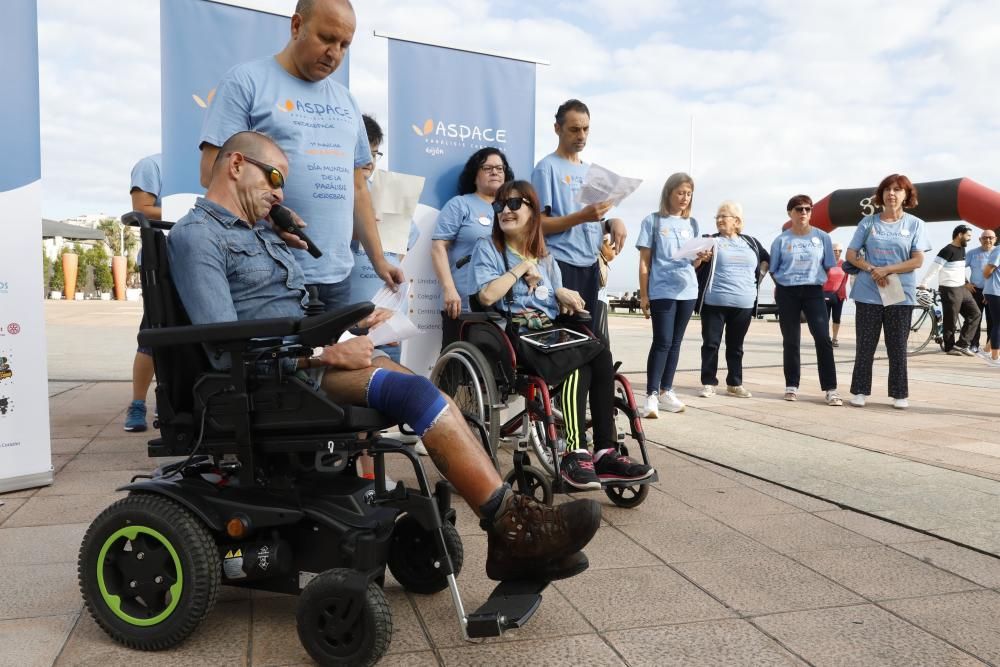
113, 601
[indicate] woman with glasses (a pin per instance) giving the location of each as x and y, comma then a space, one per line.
801, 256
885, 291
835, 293
729, 299
668, 288
464, 220
514, 260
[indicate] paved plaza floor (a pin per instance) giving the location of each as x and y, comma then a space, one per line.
779, 533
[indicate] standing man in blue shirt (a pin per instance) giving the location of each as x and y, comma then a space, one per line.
574, 234
316, 121
975, 259
145, 193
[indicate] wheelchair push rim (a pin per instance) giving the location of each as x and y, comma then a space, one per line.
133, 554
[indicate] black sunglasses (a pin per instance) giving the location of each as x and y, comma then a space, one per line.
513, 204
272, 173
803, 209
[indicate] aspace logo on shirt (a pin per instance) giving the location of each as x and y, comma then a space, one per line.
314, 108
460, 131
204, 103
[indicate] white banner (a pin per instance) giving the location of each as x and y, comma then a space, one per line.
420, 352
25, 449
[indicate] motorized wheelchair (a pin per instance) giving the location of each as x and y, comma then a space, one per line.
267, 497
479, 369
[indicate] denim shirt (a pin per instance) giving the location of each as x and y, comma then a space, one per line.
225, 270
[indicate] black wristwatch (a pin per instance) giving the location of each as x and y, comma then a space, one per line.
606, 222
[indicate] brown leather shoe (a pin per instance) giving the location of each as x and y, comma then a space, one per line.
528, 540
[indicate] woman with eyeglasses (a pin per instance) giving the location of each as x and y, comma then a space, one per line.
894, 244
464, 220
668, 288
514, 260
835, 293
728, 299
801, 256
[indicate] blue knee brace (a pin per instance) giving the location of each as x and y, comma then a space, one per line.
409, 399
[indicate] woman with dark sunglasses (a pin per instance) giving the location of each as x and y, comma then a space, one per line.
464, 220
801, 256
515, 260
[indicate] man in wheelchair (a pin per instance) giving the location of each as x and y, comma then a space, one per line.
517, 276
228, 264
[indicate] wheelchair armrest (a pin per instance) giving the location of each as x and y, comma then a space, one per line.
219, 332
327, 328
484, 316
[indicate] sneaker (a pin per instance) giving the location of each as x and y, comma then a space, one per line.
833, 398
528, 540
858, 400
738, 392
834, 342
577, 469
669, 401
964, 351
612, 466
791, 393
652, 407
990, 361
900, 403
135, 418
955, 351
707, 391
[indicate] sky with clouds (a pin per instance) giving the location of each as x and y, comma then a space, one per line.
785, 96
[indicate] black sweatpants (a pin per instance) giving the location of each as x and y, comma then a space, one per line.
807, 299
957, 301
735, 322
596, 378
983, 303
869, 321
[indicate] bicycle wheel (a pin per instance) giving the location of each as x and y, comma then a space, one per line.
922, 328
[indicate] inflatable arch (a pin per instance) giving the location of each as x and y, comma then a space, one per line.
954, 199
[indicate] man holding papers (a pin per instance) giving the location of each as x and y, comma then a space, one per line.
573, 231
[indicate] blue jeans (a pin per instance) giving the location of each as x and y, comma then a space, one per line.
670, 319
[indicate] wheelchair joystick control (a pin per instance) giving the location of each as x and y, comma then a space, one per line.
314, 306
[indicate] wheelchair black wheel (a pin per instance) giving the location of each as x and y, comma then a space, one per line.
149, 571
340, 627
413, 554
464, 374
627, 496
537, 484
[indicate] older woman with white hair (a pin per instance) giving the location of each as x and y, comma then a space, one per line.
728, 300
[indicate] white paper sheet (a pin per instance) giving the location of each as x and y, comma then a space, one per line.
386, 298
692, 247
394, 198
600, 185
893, 292
398, 328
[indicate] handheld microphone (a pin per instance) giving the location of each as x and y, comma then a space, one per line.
463, 261
283, 219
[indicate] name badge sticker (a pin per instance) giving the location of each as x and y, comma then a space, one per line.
904, 232
542, 293
685, 233
484, 221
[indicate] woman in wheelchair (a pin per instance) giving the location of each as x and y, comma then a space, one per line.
516, 275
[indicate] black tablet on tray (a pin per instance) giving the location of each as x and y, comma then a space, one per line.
554, 338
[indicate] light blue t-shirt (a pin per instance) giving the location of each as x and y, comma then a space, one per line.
319, 126
558, 182
992, 284
146, 176
801, 260
733, 281
488, 265
462, 222
669, 278
975, 259
888, 243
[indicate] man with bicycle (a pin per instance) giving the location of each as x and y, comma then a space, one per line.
948, 267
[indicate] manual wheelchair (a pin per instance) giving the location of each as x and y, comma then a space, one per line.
478, 368
266, 495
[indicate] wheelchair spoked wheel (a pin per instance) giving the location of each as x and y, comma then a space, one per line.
540, 445
149, 571
536, 484
463, 373
340, 626
632, 495
413, 554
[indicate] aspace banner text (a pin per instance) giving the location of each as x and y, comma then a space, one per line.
25, 448
200, 41
444, 105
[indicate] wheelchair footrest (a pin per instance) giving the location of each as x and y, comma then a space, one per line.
622, 482
510, 605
